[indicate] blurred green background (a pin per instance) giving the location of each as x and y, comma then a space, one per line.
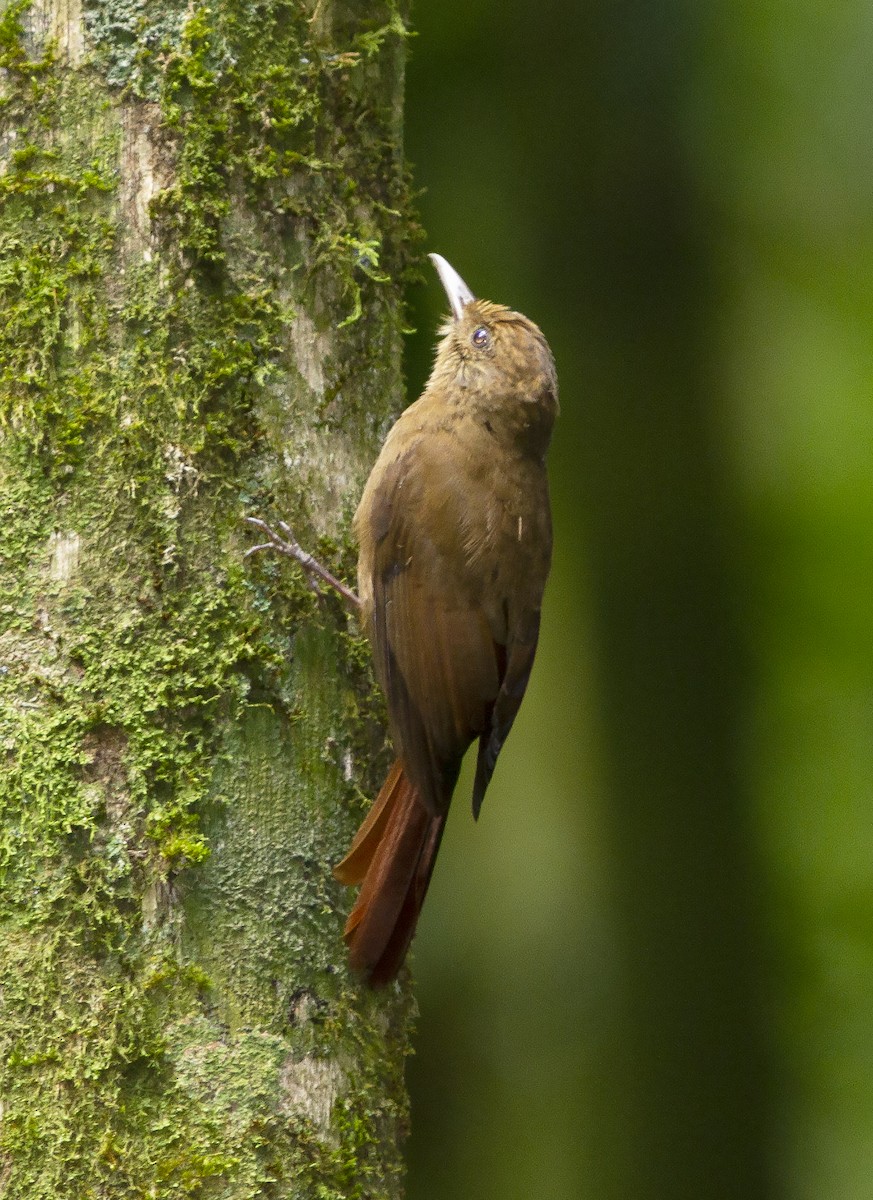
648, 971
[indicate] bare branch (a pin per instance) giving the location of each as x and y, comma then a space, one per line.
315, 572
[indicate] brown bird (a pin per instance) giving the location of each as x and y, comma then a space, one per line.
455, 539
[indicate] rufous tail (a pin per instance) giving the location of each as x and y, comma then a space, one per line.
392, 857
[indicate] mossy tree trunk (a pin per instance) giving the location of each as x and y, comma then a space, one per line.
203, 233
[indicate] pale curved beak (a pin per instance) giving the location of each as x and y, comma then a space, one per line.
457, 291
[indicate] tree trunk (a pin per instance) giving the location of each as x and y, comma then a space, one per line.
203, 233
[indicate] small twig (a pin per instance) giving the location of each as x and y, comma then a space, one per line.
313, 569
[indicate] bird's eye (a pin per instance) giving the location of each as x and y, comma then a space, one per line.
480, 337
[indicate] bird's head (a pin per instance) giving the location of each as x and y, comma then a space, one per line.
494, 358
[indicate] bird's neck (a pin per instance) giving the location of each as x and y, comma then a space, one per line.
521, 420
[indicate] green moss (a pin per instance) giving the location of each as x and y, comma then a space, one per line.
254, 103
188, 736
13, 53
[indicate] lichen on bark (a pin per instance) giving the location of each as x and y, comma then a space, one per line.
204, 229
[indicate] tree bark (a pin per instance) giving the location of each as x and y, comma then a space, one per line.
203, 234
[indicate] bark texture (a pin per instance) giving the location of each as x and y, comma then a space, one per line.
204, 225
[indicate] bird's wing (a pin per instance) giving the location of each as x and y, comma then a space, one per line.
433, 645
519, 659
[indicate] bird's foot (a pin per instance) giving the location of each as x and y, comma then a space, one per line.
316, 574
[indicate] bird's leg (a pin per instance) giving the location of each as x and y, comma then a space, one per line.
286, 543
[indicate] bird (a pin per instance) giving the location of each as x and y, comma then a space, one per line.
455, 539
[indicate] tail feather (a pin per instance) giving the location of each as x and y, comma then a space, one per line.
356, 863
393, 854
